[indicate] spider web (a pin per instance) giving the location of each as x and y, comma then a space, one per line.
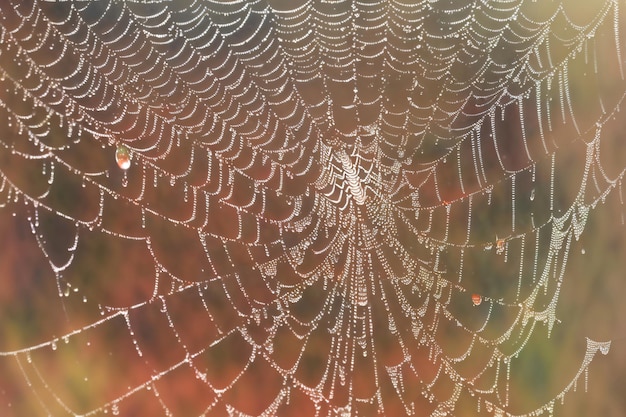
318, 191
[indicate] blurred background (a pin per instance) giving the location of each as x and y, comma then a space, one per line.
110, 303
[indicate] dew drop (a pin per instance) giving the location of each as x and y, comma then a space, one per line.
477, 299
500, 246
122, 157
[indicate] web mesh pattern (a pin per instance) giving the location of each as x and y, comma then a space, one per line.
311, 205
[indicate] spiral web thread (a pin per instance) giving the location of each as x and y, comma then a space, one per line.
314, 193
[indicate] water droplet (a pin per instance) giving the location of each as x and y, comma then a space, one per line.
500, 246
122, 157
477, 299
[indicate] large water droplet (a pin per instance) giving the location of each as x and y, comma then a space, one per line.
122, 157
477, 299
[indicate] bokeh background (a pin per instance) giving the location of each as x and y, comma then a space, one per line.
65, 346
